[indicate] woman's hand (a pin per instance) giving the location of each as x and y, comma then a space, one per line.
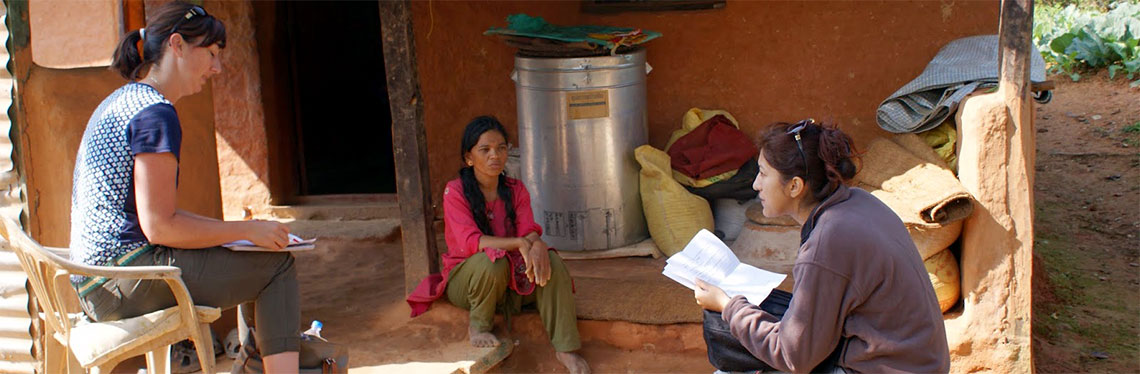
539, 269
267, 234
524, 249
710, 297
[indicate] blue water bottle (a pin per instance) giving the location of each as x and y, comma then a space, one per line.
314, 330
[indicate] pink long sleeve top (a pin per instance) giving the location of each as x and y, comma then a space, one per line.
462, 236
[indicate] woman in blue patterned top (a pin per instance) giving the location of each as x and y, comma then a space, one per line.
123, 210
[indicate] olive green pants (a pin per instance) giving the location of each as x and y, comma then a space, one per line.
215, 277
480, 286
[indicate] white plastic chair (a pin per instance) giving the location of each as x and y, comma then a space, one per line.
72, 344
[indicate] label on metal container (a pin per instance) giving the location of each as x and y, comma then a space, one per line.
554, 223
588, 104
567, 225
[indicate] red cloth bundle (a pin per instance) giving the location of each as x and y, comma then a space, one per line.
711, 149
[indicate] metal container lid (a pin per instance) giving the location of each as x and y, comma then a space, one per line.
632, 59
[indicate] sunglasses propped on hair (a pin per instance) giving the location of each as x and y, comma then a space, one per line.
795, 132
190, 13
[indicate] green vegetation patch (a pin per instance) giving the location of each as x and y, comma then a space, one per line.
1074, 39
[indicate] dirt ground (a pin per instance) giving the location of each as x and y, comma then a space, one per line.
1086, 290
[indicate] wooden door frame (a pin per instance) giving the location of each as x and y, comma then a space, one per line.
409, 144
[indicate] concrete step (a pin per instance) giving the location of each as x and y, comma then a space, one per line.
383, 230
16, 350
337, 212
12, 283
613, 347
14, 306
15, 327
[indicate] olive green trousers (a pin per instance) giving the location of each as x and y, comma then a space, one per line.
480, 286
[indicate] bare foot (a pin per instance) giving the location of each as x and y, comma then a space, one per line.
574, 362
482, 339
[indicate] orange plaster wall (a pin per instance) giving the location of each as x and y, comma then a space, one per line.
764, 61
243, 154
75, 33
56, 105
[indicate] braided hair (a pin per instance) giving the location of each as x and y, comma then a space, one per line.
471, 190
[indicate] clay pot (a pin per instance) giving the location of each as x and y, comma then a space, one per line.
769, 247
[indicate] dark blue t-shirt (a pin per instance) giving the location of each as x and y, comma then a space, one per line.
154, 130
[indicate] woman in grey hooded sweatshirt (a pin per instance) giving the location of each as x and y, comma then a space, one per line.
862, 301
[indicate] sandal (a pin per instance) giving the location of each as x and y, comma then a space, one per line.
232, 344
184, 358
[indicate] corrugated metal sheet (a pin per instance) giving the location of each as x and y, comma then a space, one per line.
15, 323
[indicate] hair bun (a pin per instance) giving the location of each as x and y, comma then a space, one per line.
846, 168
836, 151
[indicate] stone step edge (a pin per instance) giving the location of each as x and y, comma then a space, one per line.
335, 212
385, 230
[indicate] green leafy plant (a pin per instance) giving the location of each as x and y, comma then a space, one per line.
1073, 40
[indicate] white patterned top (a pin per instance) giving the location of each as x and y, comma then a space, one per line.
105, 229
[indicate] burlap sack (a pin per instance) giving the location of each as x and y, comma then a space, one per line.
909, 177
945, 277
928, 239
931, 240
673, 214
919, 148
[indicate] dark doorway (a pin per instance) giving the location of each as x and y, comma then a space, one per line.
337, 97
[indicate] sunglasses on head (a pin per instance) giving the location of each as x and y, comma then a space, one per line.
190, 13
795, 133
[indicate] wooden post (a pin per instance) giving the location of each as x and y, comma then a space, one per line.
994, 331
1015, 42
134, 15
408, 143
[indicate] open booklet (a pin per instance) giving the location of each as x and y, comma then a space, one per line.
708, 258
295, 244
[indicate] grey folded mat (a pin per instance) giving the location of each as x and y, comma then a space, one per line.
958, 69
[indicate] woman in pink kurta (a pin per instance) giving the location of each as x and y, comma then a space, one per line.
496, 259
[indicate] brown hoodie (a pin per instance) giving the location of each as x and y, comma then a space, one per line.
857, 276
